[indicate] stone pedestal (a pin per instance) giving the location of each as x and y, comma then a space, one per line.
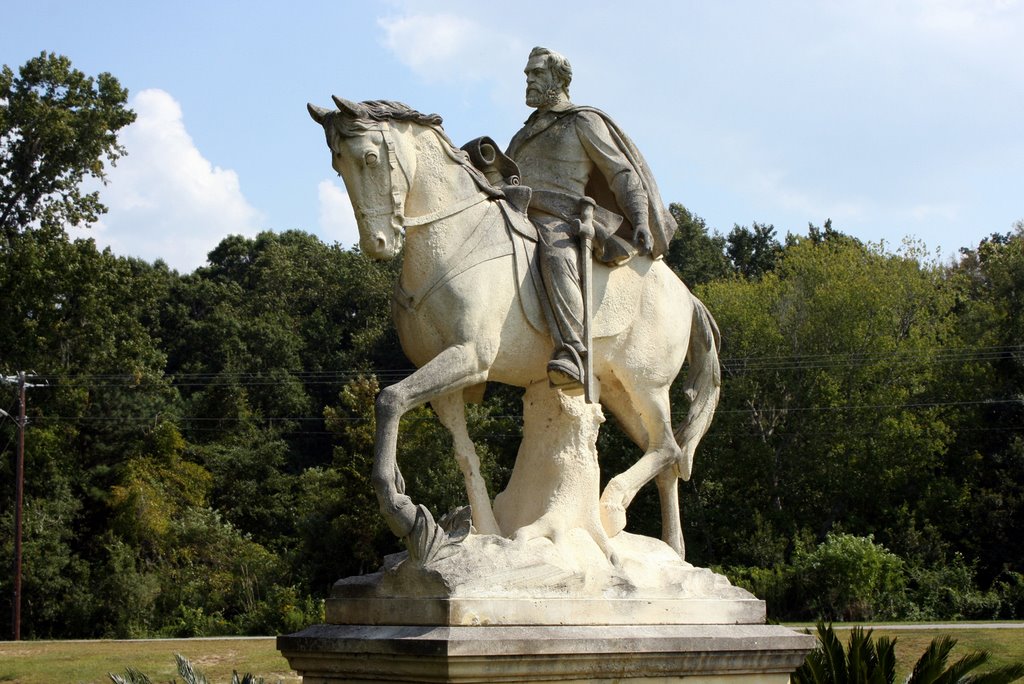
554, 600
717, 638
700, 654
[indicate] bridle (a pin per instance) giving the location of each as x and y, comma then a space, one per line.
399, 185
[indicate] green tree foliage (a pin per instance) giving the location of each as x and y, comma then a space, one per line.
753, 251
57, 127
696, 254
991, 452
824, 415
71, 312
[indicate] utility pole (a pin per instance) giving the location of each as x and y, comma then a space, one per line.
19, 496
19, 499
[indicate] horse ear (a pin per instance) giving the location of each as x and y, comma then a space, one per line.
318, 113
350, 109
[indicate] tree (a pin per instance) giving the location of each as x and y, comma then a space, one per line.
831, 416
695, 255
990, 452
753, 252
57, 128
77, 317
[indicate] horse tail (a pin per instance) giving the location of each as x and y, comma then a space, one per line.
703, 384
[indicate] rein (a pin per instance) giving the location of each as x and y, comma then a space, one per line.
397, 174
469, 254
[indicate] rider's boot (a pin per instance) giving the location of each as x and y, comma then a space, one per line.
565, 370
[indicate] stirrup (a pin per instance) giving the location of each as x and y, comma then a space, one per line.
567, 374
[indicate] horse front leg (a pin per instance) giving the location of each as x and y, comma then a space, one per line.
452, 370
451, 411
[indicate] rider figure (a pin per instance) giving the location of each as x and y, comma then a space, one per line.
558, 151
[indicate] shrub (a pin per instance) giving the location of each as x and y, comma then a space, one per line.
283, 611
1009, 586
773, 585
947, 591
850, 578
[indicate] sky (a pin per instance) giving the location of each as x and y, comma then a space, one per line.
893, 118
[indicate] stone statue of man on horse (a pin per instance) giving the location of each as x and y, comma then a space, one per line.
494, 288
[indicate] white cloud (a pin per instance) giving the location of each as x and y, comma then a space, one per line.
426, 42
446, 47
337, 219
978, 21
166, 201
946, 212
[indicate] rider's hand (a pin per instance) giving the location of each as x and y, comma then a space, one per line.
642, 239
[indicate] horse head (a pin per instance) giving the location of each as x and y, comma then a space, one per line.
377, 171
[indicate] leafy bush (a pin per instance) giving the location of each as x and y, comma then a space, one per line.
187, 622
773, 585
283, 611
850, 578
948, 591
1009, 586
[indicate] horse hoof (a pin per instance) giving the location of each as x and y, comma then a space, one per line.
400, 514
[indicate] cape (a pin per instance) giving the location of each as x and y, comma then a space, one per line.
662, 225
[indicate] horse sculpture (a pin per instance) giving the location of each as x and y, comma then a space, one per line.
462, 317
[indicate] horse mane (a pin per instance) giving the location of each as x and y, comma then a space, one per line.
392, 110
377, 111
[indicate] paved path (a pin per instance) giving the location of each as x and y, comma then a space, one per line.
940, 625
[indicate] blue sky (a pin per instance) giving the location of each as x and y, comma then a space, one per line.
893, 118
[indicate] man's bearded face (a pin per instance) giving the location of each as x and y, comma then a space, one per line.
541, 87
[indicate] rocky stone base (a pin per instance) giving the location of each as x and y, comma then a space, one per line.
513, 573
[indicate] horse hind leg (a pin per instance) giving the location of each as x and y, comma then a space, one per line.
671, 516
451, 411
646, 418
616, 399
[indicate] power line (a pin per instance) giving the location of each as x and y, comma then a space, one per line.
678, 415
929, 355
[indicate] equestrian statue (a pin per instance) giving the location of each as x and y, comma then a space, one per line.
541, 268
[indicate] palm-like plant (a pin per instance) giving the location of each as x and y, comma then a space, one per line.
863, 662
931, 667
188, 673
866, 661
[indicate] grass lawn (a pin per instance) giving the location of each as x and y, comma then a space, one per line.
71, 662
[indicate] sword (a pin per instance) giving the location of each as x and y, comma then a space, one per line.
585, 227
